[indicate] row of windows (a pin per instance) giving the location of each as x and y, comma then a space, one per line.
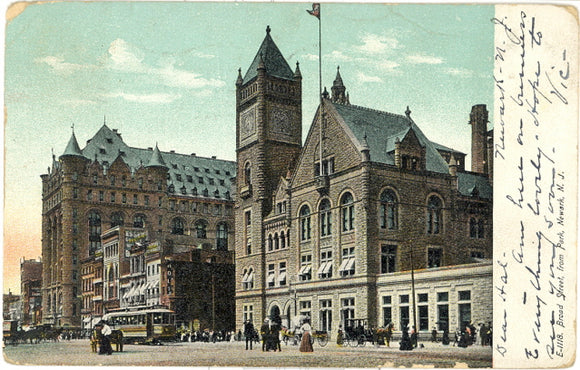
347, 267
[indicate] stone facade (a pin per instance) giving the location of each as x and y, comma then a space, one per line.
30, 291
183, 202
360, 208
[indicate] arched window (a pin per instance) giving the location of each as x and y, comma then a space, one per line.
325, 218
276, 242
177, 226
476, 228
117, 219
270, 243
222, 237
347, 212
305, 223
248, 174
388, 210
94, 232
434, 214
201, 229
139, 221
282, 240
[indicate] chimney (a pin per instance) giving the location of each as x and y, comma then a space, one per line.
478, 121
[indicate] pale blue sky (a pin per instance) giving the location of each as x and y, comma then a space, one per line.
165, 73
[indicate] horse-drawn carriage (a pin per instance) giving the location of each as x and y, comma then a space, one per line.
295, 336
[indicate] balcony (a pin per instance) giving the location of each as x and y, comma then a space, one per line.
246, 191
322, 183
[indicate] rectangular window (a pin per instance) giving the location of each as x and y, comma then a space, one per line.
305, 273
464, 295
146, 200
282, 274
75, 193
325, 314
113, 197
325, 269
442, 317
89, 195
347, 266
249, 313
271, 279
347, 312
248, 232
327, 167
124, 198
305, 308
404, 317
387, 311
434, 257
464, 314
101, 196
423, 317
388, 258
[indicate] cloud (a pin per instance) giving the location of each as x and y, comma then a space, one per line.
156, 98
459, 72
339, 56
386, 65
366, 78
377, 44
173, 77
423, 59
58, 65
78, 102
310, 57
125, 57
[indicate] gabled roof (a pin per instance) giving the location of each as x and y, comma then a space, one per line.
273, 60
382, 129
186, 172
472, 184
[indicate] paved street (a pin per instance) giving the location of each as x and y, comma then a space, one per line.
77, 352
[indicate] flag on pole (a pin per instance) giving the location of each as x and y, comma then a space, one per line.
315, 10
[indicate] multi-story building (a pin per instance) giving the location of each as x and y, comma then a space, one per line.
369, 219
179, 201
30, 291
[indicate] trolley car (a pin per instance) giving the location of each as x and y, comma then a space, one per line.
143, 325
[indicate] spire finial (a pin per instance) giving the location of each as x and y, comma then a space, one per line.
73, 128
408, 112
268, 29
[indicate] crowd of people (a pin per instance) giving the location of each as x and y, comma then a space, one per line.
270, 334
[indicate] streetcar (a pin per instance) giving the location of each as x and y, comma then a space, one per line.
143, 325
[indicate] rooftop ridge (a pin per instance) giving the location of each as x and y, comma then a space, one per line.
374, 110
186, 155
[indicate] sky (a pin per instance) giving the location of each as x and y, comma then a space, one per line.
164, 73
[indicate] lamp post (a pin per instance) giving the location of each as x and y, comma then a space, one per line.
292, 291
414, 305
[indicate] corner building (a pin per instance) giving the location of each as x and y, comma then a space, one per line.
100, 201
366, 212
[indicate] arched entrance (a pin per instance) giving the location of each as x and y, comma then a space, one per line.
275, 315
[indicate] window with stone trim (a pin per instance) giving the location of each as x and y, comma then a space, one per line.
94, 231
388, 258
476, 228
347, 265
248, 279
201, 229
388, 210
347, 212
305, 273
305, 229
387, 310
177, 226
325, 218
434, 257
325, 268
222, 237
434, 215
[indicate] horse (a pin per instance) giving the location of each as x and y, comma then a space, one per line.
94, 341
116, 338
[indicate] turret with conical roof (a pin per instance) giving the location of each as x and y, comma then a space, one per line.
156, 159
338, 89
72, 148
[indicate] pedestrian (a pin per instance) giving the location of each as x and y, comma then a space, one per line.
265, 333
305, 343
275, 336
389, 334
445, 339
340, 336
105, 340
434, 335
249, 334
483, 334
406, 344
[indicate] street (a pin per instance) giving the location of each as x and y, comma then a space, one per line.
222, 354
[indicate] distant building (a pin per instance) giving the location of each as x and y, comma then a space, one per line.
98, 202
369, 219
11, 307
30, 290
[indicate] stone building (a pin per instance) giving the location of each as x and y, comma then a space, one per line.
93, 197
367, 211
30, 291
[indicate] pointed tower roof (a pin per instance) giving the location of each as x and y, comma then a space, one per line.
272, 59
338, 79
72, 148
156, 159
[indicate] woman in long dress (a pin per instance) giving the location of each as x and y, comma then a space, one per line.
306, 343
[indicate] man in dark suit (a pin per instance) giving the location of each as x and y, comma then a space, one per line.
249, 333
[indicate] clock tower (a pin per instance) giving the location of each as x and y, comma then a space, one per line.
268, 143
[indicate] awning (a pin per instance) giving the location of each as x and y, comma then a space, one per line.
245, 278
142, 289
327, 267
342, 266
347, 265
282, 277
305, 270
322, 267
270, 278
87, 319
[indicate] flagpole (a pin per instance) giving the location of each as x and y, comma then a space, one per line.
320, 83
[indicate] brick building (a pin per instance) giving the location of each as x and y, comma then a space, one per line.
337, 228
95, 197
30, 291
